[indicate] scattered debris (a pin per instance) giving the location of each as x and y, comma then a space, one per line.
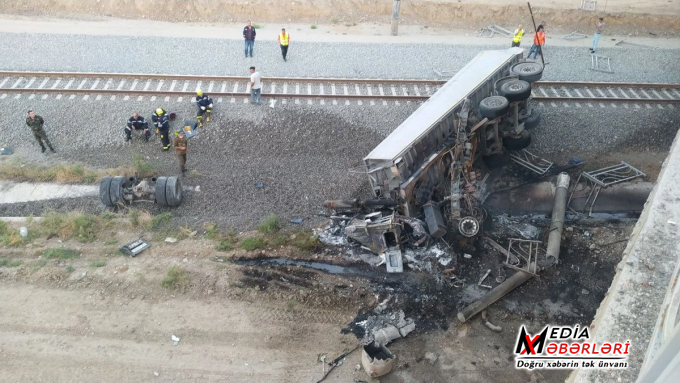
156, 374
170, 240
335, 363
134, 248
259, 185
432, 357
524, 229
494, 29
297, 221
574, 36
23, 232
488, 324
575, 161
622, 42
594, 181
376, 360
6, 151
531, 161
600, 64
175, 340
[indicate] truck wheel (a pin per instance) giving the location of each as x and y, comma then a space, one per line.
516, 90
105, 191
527, 71
160, 191
518, 143
116, 190
497, 160
533, 120
494, 106
173, 191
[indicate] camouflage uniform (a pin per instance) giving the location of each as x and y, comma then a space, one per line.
36, 125
181, 153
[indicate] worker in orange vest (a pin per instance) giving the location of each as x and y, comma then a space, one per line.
539, 42
284, 40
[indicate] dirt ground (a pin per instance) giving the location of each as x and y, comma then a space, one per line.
104, 316
624, 16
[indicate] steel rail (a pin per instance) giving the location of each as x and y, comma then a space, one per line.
586, 84
212, 94
607, 99
216, 78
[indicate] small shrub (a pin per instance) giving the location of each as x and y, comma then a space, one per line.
306, 241
211, 230
225, 245
313, 26
5, 262
350, 24
142, 167
12, 238
176, 278
97, 263
110, 242
52, 223
291, 304
3, 227
334, 21
257, 26
69, 269
253, 243
82, 228
60, 253
159, 220
270, 225
133, 215
107, 216
279, 240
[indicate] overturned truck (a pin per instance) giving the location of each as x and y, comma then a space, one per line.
424, 168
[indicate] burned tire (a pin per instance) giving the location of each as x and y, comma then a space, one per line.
497, 160
105, 191
518, 143
160, 191
527, 71
533, 120
516, 90
116, 190
173, 191
494, 106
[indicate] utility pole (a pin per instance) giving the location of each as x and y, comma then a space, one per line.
395, 17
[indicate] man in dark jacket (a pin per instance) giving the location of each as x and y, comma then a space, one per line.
162, 124
249, 36
205, 104
136, 122
36, 123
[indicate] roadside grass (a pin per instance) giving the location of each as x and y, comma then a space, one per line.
253, 243
60, 253
225, 245
10, 237
6, 262
334, 21
176, 278
158, 221
313, 26
70, 269
351, 24
67, 173
211, 231
74, 225
98, 263
257, 26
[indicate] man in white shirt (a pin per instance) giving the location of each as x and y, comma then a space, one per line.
255, 87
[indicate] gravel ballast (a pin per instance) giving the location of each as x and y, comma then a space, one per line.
308, 59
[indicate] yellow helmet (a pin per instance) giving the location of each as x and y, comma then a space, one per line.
159, 111
199, 92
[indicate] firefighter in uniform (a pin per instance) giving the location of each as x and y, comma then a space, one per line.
36, 123
137, 122
517, 38
162, 124
180, 145
204, 103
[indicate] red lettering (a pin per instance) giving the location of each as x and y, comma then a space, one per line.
595, 348
575, 347
563, 348
586, 348
627, 344
552, 348
617, 347
606, 348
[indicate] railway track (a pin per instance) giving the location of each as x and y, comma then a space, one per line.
236, 88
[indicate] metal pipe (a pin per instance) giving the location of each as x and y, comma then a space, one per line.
357, 203
552, 252
497, 293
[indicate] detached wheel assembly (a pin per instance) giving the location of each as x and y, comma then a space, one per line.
527, 71
497, 160
532, 120
160, 191
105, 191
117, 191
494, 106
173, 191
516, 90
518, 143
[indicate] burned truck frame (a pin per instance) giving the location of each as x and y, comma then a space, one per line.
425, 164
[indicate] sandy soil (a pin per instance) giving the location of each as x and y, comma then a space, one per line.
624, 16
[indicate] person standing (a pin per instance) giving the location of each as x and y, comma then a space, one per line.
36, 123
539, 41
249, 36
284, 40
136, 122
517, 38
180, 144
255, 87
598, 31
162, 124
